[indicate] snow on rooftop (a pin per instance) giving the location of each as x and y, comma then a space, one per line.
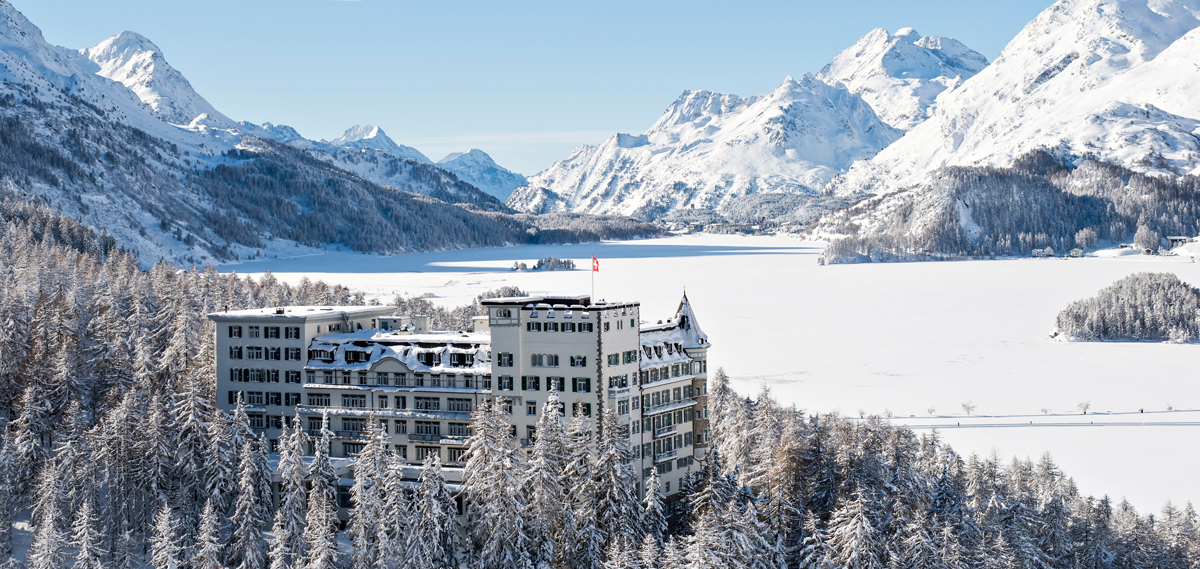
304, 311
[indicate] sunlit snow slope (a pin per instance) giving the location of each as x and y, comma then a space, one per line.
710, 147
1110, 80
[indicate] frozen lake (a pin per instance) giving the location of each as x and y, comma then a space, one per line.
898, 339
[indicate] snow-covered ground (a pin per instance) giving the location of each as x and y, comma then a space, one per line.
878, 338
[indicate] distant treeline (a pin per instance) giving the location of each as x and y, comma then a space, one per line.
1142, 306
1038, 202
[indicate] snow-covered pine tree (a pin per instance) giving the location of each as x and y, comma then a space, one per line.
320, 535
221, 472
617, 512
86, 537
581, 546
674, 554
492, 487
367, 499
193, 415
288, 546
853, 535
620, 555
649, 554
815, 552
249, 518
206, 553
654, 520
545, 514
433, 542
8, 499
165, 552
393, 527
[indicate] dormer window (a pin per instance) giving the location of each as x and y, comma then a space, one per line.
533, 313
550, 313
567, 315
503, 313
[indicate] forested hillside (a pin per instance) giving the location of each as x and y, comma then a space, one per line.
1141, 307
114, 455
1036, 203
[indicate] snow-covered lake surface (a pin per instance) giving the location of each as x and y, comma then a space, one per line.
912, 339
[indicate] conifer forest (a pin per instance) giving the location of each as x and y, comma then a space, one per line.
115, 456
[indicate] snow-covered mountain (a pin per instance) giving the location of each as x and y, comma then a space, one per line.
115, 137
138, 64
370, 136
901, 75
475, 167
709, 148
1108, 80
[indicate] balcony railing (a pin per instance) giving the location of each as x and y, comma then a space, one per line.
664, 431
665, 456
672, 406
424, 438
350, 434
618, 391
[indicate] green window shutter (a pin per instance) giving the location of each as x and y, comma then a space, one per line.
536, 383
524, 383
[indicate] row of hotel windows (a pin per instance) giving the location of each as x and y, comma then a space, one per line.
269, 332
673, 370
240, 374
258, 353
560, 327
534, 383
401, 379
354, 401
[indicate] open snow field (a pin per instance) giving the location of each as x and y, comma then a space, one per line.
909, 339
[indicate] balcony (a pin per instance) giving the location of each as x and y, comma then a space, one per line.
665, 407
665, 456
618, 392
425, 438
664, 431
353, 435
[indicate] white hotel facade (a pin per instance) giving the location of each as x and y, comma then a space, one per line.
353, 364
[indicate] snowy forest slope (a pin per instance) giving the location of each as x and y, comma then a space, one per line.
115, 137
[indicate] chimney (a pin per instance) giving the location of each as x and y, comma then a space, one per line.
279, 311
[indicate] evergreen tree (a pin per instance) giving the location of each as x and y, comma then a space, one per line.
250, 516
545, 515
581, 546
433, 542
853, 533
320, 535
165, 552
492, 487
288, 545
617, 514
86, 538
654, 521
206, 553
367, 499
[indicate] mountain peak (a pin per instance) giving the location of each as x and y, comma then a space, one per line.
901, 75
364, 136
475, 167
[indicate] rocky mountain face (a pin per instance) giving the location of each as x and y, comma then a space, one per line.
475, 167
709, 148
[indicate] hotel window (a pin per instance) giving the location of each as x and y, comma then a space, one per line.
606, 326
359, 401
555, 383
254, 353
254, 332
504, 359
586, 326
551, 327
578, 361
318, 399
460, 429
292, 354
401, 427
422, 452
620, 324
531, 407
352, 449
533, 326
235, 352
362, 378
272, 332
427, 403
345, 378
504, 383
456, 454
354, 425
293, 332
255, 376
459, 405
614, 359
568, 326
687, 392
274, 398
290, 399
235, 331
272, 375
274, 354
254, 398
429, 428
256, 421
623, 407
581, 384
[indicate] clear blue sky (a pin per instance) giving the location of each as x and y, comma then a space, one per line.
524, 81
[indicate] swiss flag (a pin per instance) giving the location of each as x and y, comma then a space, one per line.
595, 265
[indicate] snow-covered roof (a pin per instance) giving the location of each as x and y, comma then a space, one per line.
305, 312
682, 329
559, 302
404, 348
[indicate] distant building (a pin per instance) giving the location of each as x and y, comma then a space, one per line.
355, 363
1178, 240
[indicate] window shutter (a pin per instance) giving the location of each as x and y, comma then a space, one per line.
575, 385
524, 383
537, 383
